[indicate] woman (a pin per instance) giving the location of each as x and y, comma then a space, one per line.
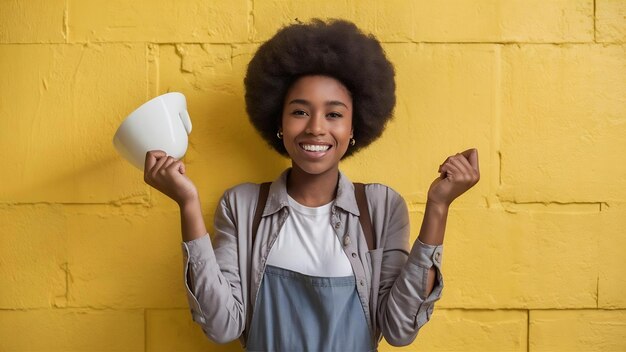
317, 93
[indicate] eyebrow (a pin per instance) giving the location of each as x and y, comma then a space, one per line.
307, 103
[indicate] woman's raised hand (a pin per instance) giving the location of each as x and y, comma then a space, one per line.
167, 175
458, 173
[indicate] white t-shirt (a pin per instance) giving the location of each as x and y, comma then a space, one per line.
308, 244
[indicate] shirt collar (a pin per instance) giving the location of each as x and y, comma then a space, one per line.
277, 198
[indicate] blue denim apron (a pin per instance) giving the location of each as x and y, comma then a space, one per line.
297, 312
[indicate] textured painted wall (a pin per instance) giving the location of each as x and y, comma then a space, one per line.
90, 256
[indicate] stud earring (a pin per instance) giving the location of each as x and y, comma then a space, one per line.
352, 141
279, 134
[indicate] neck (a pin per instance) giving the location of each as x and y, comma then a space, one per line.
312, 190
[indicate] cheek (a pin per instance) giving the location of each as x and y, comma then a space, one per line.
347, 127
291, 129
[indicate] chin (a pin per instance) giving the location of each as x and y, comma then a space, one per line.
313, 169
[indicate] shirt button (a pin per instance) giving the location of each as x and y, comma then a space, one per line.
361, 282
353, 255
346, 240
337, 225
437, 257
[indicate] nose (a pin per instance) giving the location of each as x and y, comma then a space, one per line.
316, 125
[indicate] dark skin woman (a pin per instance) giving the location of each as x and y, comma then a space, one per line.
317, 110
317, 93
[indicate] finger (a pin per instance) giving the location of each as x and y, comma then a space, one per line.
465, 170
445, 161
451, 168
158, 167
171, 164
170, 160
177, 166
467, 166
152, 156
441, 169
450, 171
449, 159
472, 156
475, 173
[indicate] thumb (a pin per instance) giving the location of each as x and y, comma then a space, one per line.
473, 159
181, 168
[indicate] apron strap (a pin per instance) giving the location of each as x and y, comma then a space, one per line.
364, 218
361, 200
263, 193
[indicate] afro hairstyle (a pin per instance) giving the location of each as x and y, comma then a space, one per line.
336, 48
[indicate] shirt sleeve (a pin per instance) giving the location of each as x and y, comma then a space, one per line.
403, 305
212, 279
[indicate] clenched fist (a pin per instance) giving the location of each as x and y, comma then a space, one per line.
167, 175
459, 173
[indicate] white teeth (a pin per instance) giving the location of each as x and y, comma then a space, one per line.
315, 148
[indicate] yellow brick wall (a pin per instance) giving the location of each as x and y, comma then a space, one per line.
90, 256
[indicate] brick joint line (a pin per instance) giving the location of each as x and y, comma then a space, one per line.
551, 202
598, 284
145, 330
528, 330
66, 20
595, 38
251, 20
139, 42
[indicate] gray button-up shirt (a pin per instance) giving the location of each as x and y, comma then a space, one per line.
225, 275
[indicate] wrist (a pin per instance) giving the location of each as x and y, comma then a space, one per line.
440, 208
434, 223
190, 203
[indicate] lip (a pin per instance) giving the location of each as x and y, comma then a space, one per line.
315, 155
315, 143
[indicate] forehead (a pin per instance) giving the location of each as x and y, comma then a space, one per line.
320, 87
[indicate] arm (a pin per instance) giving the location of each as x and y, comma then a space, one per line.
406, 296
431, 232
409, 303
211, 277
192, 224
213, 286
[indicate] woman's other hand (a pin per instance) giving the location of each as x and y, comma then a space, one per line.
167, 175
458, 173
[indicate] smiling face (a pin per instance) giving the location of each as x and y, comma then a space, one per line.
317, 123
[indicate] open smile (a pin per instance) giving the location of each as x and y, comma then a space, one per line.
315, 150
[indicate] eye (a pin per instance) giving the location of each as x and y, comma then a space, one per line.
299, 112
335, 114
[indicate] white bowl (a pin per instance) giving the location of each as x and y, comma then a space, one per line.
162, 123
